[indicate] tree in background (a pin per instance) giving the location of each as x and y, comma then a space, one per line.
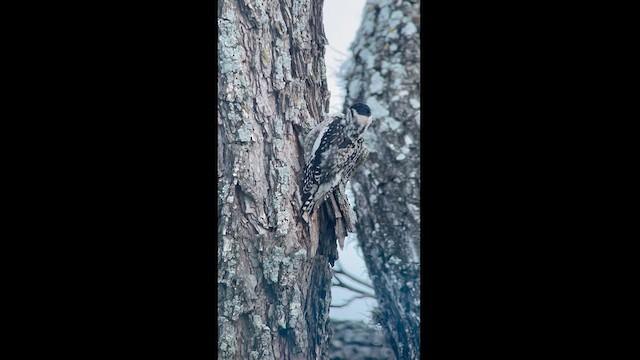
384, 72
273, 270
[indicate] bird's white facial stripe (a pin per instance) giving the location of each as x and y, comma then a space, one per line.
363, 121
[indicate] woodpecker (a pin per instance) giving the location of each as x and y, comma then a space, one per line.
333, 150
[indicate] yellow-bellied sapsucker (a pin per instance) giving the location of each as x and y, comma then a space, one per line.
333, 150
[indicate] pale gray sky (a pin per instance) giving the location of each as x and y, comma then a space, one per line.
341, 21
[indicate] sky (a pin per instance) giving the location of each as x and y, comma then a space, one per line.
341, 22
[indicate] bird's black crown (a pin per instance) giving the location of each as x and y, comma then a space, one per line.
361, 109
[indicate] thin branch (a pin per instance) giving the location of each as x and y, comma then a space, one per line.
342, 284
338, 51
350, 300
353, 277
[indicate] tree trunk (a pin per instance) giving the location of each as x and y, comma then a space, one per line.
273, 276
384, 73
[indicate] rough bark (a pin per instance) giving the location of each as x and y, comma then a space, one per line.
273, 275
355, 340
384, 73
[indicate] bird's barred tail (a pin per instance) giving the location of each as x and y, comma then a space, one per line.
308, 191
306, 203
307, 207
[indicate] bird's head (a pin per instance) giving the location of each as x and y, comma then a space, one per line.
361, 114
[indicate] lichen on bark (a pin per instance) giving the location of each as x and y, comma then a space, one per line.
273, 283
384, 72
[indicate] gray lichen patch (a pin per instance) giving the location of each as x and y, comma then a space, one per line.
377, 83
271, 264
223, 191
278, 127
392, 123
227, 343
355, 88
282, 65
295, 308
282, 211
228, 255
231, 54
297, 321
283, 220
278, 144
244, 133
409, 29
378, 109
281, 316
299, 258
367, 58
300, 12
371, 142
284, 176
263, 340
398, 75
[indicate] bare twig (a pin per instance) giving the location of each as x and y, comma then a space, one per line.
337, 51
342, 271
343, 284
350, 300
